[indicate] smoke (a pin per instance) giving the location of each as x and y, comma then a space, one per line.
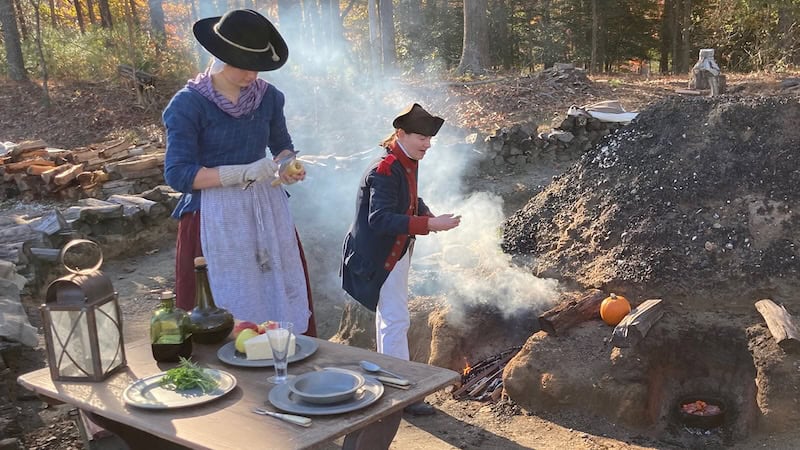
337, 116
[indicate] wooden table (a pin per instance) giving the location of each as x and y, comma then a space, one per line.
228, 423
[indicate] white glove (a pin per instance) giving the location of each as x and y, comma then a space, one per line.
261, 170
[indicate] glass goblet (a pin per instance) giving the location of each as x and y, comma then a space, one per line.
279, 338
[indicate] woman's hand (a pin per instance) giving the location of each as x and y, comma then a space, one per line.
443, 222
293, 172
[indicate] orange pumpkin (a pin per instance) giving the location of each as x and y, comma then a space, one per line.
614, 308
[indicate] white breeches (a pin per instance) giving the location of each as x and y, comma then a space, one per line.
391, 316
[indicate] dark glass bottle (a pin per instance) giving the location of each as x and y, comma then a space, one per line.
210, 325
170, 331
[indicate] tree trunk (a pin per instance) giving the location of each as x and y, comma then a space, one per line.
686, 41
476, 35
664, 38
16, 63
40, 50
79, 16
290, 18
676, 26
311, 32
503, 44
388, 47
23, 26
135, 14
157, 25
374, 35
90, 12
53, 20
105, 14
595, 24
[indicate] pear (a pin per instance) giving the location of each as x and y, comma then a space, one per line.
244, 335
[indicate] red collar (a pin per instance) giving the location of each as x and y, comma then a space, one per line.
398, 152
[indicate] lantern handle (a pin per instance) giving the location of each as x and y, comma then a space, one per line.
76, 269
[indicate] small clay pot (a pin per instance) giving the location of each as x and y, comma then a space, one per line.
698, 421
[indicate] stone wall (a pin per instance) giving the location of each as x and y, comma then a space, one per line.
521, 146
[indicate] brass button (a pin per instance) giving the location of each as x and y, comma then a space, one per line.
397, 242
386, 265
394, 254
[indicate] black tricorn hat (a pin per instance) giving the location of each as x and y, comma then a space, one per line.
244, 39
414, 119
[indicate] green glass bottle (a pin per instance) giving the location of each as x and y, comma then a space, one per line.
170, 331
210, 325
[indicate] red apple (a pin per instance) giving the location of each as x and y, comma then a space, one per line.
268, 325
243, 325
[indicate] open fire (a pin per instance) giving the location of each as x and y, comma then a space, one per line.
484, 380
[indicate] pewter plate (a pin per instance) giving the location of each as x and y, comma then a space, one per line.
304, 347
282, 398
147, 393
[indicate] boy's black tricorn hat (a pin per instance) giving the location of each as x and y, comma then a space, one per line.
244, 39
414, 119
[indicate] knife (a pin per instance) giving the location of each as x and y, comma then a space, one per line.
291, 418
394, 382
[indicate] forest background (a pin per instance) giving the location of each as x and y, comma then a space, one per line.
89, 39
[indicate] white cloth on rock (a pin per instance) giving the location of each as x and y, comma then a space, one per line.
254, 267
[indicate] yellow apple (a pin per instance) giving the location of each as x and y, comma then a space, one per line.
244, 335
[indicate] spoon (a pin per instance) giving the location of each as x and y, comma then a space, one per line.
372, 367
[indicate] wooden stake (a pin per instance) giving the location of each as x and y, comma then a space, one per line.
780, 324
634, 326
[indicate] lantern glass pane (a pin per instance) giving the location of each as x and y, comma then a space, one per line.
71, 343
109, 335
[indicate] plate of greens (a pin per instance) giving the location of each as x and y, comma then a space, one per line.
179, 387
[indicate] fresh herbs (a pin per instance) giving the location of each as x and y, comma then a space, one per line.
188, 375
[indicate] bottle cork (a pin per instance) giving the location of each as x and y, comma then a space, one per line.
167, 294
199, 261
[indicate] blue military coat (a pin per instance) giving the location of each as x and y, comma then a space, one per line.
388, 215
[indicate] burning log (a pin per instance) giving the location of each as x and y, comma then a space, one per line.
572, 312
634, 326
780, 324
484, 374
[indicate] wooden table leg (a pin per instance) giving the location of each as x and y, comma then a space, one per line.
135, 439
375, 436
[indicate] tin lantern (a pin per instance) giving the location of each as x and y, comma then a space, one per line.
82, 322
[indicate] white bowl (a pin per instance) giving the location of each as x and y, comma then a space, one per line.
326, 386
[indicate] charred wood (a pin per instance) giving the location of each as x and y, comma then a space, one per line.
572, 312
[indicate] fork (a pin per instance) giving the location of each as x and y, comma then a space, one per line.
291, 418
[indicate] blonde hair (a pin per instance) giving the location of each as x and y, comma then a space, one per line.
215, 66
389, 140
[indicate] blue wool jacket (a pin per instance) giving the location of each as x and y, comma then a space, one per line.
199, 134
381, 206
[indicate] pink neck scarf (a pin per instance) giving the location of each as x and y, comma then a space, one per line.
249, 97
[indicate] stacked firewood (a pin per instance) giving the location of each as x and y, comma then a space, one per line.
484, 380
32, 170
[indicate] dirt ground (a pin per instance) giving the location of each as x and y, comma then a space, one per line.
460, 424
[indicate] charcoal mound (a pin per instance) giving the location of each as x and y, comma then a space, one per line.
698, 198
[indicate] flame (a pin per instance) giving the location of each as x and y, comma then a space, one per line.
467, 368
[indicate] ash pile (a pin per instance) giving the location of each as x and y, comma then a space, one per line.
697, 195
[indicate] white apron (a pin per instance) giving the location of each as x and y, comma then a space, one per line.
249, 242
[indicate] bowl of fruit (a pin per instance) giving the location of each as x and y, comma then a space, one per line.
327, 386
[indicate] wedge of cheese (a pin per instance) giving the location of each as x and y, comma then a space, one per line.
257, 347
